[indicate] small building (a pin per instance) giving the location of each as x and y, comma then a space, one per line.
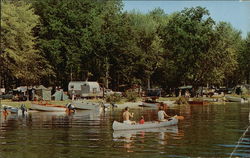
84, 89
43, 92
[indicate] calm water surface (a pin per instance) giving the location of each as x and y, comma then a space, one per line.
207, 131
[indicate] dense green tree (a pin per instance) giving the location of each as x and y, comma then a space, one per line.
226, 53
194, 50
148, 42
19, 58
65, 36
244, 59
96, 40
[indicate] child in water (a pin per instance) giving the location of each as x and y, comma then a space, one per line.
142, 120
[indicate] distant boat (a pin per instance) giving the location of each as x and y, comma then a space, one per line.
234, 99
150, 103
198, 102
10, 109
156, 104
85, 105
48, 107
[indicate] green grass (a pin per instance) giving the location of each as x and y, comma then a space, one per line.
28, 103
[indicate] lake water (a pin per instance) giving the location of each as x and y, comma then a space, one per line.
206, 131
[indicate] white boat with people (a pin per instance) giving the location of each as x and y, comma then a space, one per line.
153, 124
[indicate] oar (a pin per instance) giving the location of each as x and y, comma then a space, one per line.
179, 117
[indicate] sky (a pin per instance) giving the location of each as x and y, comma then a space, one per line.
235, 12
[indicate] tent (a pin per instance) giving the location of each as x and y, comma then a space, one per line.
43, 92
59, 95
242, 89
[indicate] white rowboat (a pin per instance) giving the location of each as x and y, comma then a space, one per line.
234, 99
48, 108
123, 126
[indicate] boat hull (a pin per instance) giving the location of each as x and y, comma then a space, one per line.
123, 126
11, 109
86, 105
234, 99
146, 104
48, 108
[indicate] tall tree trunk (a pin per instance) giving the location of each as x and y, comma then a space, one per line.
107, 73
148, 82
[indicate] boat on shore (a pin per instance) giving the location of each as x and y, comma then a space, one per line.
48, 107
85, 105
234, 99
149, 103
154, 124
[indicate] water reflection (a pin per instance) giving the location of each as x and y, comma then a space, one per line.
207, 131
135, 137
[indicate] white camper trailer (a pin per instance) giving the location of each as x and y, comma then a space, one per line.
84, 89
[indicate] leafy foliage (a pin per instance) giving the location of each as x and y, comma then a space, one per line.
131, 96
19, 56
95, 40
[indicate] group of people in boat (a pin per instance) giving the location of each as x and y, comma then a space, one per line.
127, 115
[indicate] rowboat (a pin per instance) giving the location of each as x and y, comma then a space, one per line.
155, 124
48, 107
85, 105
234, 99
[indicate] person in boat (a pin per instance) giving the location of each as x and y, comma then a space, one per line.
162, 114
142, 120
126, 115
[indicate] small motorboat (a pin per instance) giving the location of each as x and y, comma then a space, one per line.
10, 109
154, 124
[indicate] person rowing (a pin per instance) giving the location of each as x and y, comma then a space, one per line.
162, 114
126, 115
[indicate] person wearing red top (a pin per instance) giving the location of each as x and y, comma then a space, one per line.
142, 120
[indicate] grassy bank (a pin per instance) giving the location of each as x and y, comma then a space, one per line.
28, 103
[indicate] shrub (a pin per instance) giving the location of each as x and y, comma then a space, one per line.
181, 100
131, 96
113, 98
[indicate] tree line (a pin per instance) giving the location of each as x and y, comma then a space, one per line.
52, 42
